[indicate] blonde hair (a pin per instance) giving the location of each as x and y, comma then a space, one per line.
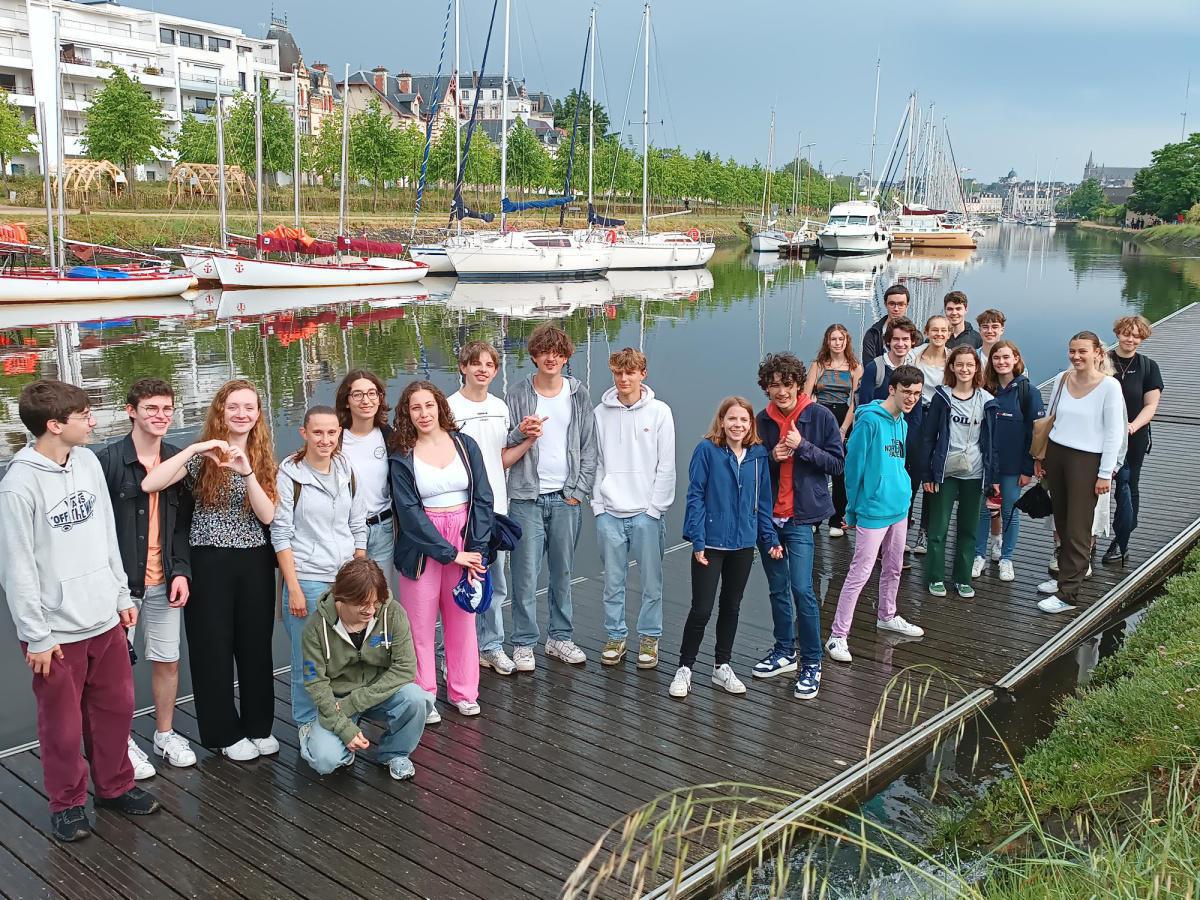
1137, 325
716, 432
212, 482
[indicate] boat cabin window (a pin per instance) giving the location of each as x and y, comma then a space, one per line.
837, 220
550, 242
871, 221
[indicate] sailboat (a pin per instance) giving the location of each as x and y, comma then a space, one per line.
767, 238
514, 254
662, 250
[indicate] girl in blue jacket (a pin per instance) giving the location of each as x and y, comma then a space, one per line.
1015, 405
729, 501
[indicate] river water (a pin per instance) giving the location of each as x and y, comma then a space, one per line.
703, 331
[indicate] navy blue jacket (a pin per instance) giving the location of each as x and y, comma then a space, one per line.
416, 538
935, 443
728, 506
822, 454
1012, 430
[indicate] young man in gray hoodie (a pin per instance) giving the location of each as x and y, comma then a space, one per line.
546, 488
61, 572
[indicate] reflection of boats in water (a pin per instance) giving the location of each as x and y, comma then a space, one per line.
659, 284
249, 302
930, 262
766, 262
850, 279
101, 312
530, 299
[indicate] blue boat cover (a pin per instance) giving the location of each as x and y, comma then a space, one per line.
459, 210
594, 218
511, 206
94, 272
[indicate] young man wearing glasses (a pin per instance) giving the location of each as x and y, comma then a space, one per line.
152, 533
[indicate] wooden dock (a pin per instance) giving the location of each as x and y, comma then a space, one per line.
506, 804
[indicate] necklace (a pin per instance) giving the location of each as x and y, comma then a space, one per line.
1123, 370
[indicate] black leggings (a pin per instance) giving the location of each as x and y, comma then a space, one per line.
839, 410
229, 618
731, 570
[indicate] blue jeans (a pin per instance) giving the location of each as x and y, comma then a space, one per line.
489, 626
1128, 492
381, 547
403, 719
303, 709
1010, 519
646, 539
550, 529
793, 601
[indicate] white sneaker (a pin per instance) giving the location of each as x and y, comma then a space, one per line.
995, 545
174, 748
724, 677
1049, 586
1088, 573
432, 716
900, 626
1006, 570
836, 532
681, 683
523, 659
497, 661
837, 649
1053, 605
566, 651
977, 566
467, 708
401, 768
267, 746
242, 751
142, 767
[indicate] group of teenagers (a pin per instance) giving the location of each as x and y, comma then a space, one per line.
379, 529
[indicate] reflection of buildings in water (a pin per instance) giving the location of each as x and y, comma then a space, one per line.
530, 299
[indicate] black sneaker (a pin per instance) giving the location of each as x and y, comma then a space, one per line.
69, 825
134, 802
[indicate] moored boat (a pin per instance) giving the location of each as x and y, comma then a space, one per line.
854, 227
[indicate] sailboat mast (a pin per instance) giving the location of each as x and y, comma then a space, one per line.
908, 156
646, 122
258, 158
874, 125
223, 223
50, 254
60, 155
504, 123
591, 106
345, 154
796, 170
762, 213
457, 109
296, 146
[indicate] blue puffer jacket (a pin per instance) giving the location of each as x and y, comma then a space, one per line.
728, 505
935, 445
1012, 429
822, 454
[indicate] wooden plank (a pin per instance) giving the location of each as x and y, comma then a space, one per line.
18, 881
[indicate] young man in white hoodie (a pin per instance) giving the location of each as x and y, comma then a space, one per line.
635, 485
61, 571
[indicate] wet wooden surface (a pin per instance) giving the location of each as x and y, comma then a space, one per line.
505, 804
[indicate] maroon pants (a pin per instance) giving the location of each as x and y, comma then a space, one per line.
88, 695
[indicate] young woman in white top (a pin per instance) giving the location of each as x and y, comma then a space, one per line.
444, 516
1081, 457
361, 404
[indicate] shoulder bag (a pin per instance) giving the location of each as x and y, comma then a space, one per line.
1043, 426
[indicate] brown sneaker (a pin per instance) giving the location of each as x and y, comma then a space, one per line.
613, 652
648, 653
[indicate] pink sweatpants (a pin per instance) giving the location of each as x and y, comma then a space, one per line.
867, 544
430, 594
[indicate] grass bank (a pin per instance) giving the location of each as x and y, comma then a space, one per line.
1174, 237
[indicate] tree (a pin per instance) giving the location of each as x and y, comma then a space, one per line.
15, 134
124, 123
196, 141
277, 133
564, 115
373, 148
1086, 201
528, 162
1170, 185
325, 157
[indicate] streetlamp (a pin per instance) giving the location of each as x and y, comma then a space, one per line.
842, 160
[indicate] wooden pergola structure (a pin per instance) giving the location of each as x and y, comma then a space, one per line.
189, 179
84, 178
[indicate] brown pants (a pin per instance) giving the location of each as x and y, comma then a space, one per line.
1071, 479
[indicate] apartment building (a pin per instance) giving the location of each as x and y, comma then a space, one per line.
181, 62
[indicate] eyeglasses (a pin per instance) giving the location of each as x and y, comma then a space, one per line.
158, 410
359, 396
82, 417
369, 607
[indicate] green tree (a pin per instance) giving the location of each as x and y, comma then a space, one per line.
1086, 201
373, 148
1170, 185
124, 123
528, 161
564, 115
15, 134
196, 141
325, 157
277, 133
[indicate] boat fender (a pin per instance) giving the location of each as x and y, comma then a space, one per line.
694, 234
611, 236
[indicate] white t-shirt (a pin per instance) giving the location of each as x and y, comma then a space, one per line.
552, 445
368, 459
487, 424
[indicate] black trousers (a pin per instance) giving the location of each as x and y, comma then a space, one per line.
730, 569
1071, 480
839, 411
229, 618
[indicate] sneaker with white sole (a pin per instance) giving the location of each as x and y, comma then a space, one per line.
777, 662
937, 588
432, 716
1006, 570
466, 708
142, 767
808, 682
899, 625
919, 545
401, 768
837, 649
523, 659
497, 661
243, 751
567, 651
681, 683
837, 531
174, 748
723, 676
647, 657
994, 544
1052, 566
965, 591
1049, 586
267, 746
613, 652
977, 566
1053, 605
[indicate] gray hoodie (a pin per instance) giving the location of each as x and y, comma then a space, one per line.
582, 451
60, 566
320, 528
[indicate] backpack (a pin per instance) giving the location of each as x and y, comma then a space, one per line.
1023, 397
880, 365
296, 485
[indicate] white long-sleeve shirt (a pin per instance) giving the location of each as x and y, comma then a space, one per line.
636, 468
1096, 423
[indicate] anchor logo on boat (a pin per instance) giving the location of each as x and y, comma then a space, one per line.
208, 268
239, 268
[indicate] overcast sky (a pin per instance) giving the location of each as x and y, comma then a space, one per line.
1018, 80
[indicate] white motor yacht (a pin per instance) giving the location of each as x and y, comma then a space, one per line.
854, 227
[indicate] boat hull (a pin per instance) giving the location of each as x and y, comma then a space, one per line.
501, 262
263, 273
651, 255
848, 243
48, 288
934, 239
434, 256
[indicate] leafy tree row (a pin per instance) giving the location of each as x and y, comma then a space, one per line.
1170, 185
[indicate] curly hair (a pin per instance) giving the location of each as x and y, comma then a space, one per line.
825, 355
404, 432
212, 482
341, 401
787, 366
